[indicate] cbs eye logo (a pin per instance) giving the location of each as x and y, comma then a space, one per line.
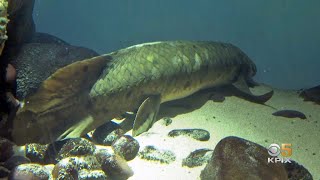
275, 150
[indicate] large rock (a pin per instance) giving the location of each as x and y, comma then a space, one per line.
35, 62
21, 26
236, 158
312, 94
40, 37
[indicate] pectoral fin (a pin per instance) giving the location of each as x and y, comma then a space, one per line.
146, 115
78, 129
242, 90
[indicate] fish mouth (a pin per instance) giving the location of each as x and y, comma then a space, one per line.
26, 129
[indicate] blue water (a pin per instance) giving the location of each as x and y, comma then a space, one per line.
281, 36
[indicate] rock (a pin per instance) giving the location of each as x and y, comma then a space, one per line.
45, 38
198, 134
197, 158
113, 165
21, 26
30, 171
297, 171
4, 172
36, 152
76, 147
127, 147
6, 149
107, 133
166, 121
35, 62
236, 158
69, 167
312, 94
14, 161
52, 151
92, 175
153, 154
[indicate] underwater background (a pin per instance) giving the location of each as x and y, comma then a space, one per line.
281, 36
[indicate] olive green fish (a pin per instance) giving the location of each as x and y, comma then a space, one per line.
86, 94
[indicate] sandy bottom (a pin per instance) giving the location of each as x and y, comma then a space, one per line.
233, 117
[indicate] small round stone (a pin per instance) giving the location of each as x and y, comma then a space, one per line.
76, 147
113, 165
107, 133
30, 171
198, 134
92, 175
127, 147
69, 167
153, 154
197, 158
14, 161
36, 152
166, 121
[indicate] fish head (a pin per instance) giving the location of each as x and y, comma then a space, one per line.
37, 123
56, 109
27, 127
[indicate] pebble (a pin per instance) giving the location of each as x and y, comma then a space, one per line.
14, 161
197, 134
76, 147
153, 154
29, 171
69, 167
36, 152
127, 147
166, 121
85, 174
197, 158
113, 165
107, 133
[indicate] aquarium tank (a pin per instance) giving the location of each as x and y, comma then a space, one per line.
159, 90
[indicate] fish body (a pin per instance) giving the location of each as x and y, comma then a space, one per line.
137, 78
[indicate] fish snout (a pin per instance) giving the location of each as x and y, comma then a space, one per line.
25, 129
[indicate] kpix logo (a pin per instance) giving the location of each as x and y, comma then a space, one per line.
275, 150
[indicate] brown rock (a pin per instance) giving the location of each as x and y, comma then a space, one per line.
29, 171
127, 147
113, 165
6, 149
236, 158
68, 168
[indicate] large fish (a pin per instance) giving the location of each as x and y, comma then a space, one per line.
84, 95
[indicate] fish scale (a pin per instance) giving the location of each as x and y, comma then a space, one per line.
131, 66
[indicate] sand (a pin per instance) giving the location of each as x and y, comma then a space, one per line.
233, 117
